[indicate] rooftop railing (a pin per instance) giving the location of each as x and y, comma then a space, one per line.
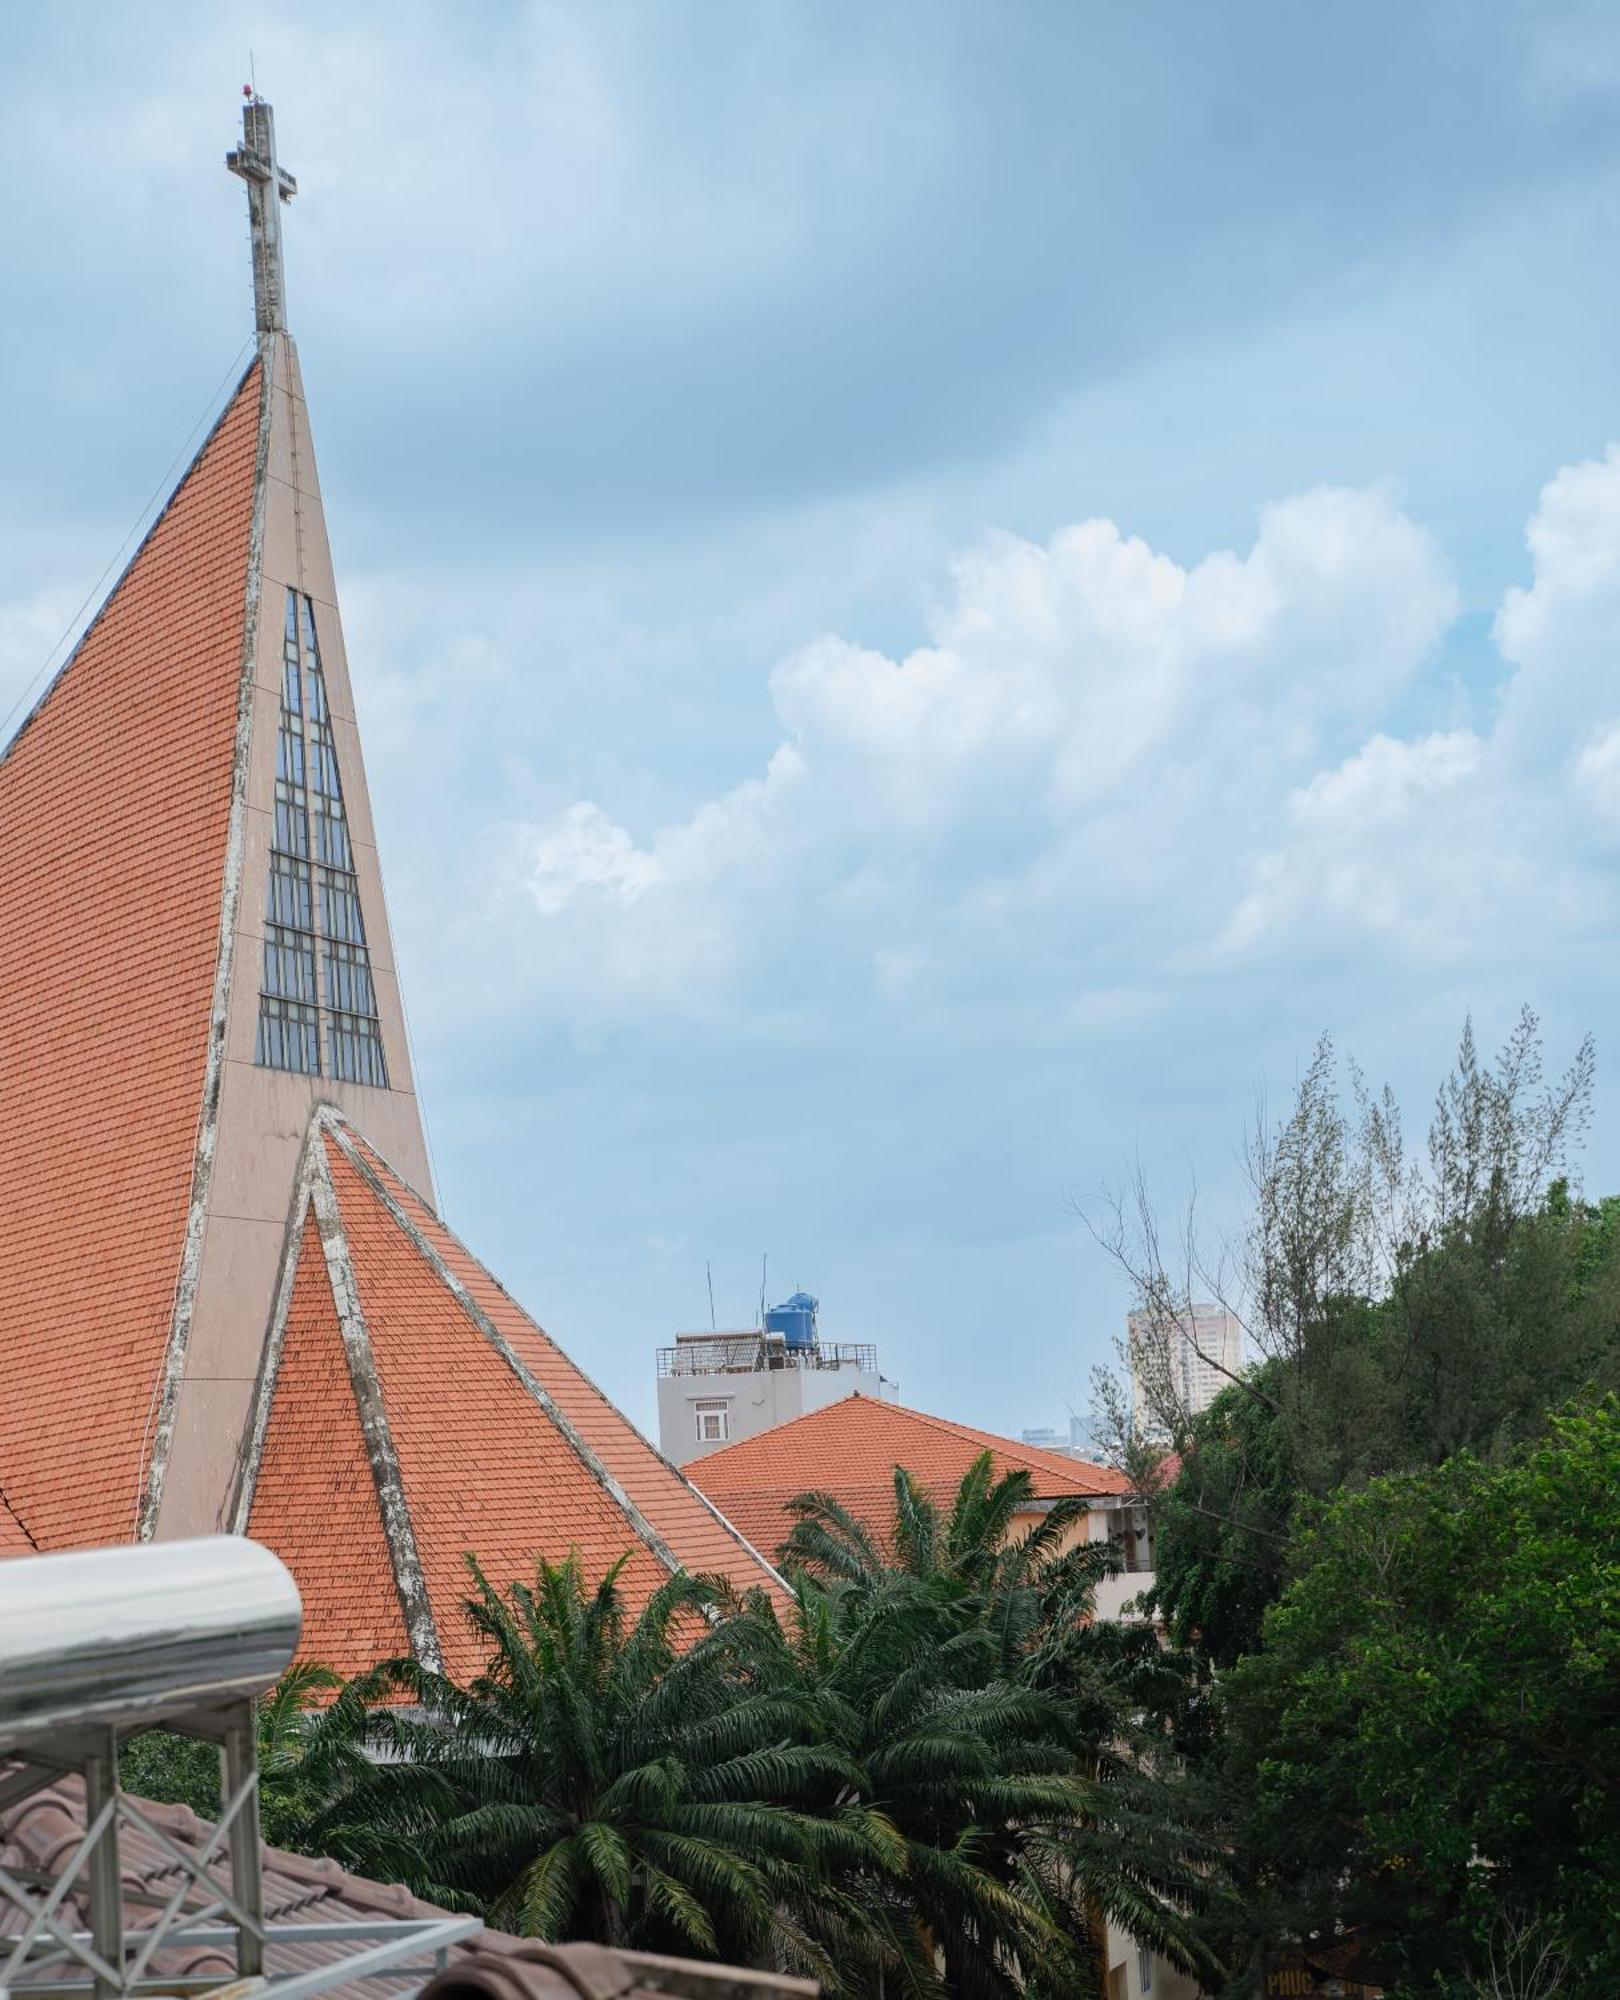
753, 1354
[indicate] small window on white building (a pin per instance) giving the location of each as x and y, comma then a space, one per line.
1144, 1968
713, 1422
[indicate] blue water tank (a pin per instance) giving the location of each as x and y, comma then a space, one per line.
795, 1320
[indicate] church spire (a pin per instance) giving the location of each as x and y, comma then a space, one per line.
268, 184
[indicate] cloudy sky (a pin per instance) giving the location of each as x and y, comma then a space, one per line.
934, 590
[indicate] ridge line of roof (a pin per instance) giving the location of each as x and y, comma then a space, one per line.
351, 1142
334, 1119
139, 550
1032, 1456
410, 1579
250, 1447
22, 1526
171, 1375
337, 1117
1028, 1451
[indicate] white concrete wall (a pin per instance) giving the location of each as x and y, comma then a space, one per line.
1126, 1966
1115, 1593
755, 1402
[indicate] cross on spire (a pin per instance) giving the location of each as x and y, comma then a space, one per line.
268, 185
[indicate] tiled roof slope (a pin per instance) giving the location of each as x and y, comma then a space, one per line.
299, 1891
15, 1539
322, 1499
851, 1449
481, 1436
115, 801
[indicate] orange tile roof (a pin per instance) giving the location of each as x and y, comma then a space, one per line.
315, 1486
15, 1539
485, 1461
851, 1449
115, 799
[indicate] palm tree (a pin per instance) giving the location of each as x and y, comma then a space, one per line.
306, 1750
1019, 1747
635, 1782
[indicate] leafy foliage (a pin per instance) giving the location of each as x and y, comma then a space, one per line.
1387, 1562
634, 1782
1221, 1527
1405, 1315
1431, 1734
302, 1744
1016, 1747
934, 1775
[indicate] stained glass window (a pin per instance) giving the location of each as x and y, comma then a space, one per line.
312, 914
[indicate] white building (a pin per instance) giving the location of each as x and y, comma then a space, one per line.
1136, 1972
1191, 1361
714, 1388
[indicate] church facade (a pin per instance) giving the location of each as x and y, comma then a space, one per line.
229, 1300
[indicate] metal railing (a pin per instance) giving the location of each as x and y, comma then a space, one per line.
408, 1949
753, 1354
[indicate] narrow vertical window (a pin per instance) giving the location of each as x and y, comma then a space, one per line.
317, 999
289, 1023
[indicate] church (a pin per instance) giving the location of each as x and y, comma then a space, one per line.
230, 1302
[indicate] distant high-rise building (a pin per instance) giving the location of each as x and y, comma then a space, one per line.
1067, 1444
714, 1388
1188, 1361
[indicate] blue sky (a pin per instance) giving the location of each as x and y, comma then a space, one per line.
934, 591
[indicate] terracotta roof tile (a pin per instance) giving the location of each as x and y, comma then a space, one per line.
114, 807
315, 1502
15, 1539
485, 1469
851, 1449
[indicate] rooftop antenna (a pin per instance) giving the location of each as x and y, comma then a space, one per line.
764, 1278
708, 1272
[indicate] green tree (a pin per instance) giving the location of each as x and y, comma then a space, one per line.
1221, 1525
1430, 1736
1015, 1744
635, 1781
306, 1749
1399, 1312
931, 1778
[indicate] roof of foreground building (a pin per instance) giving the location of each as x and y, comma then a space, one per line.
300, 1892
410, 1414
852, 1448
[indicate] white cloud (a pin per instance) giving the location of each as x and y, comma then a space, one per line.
1562, 634
1101, 759
1384, 845
583, 853
584, 850
1076, 661
1087, 704
1452, 843
1597, 771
